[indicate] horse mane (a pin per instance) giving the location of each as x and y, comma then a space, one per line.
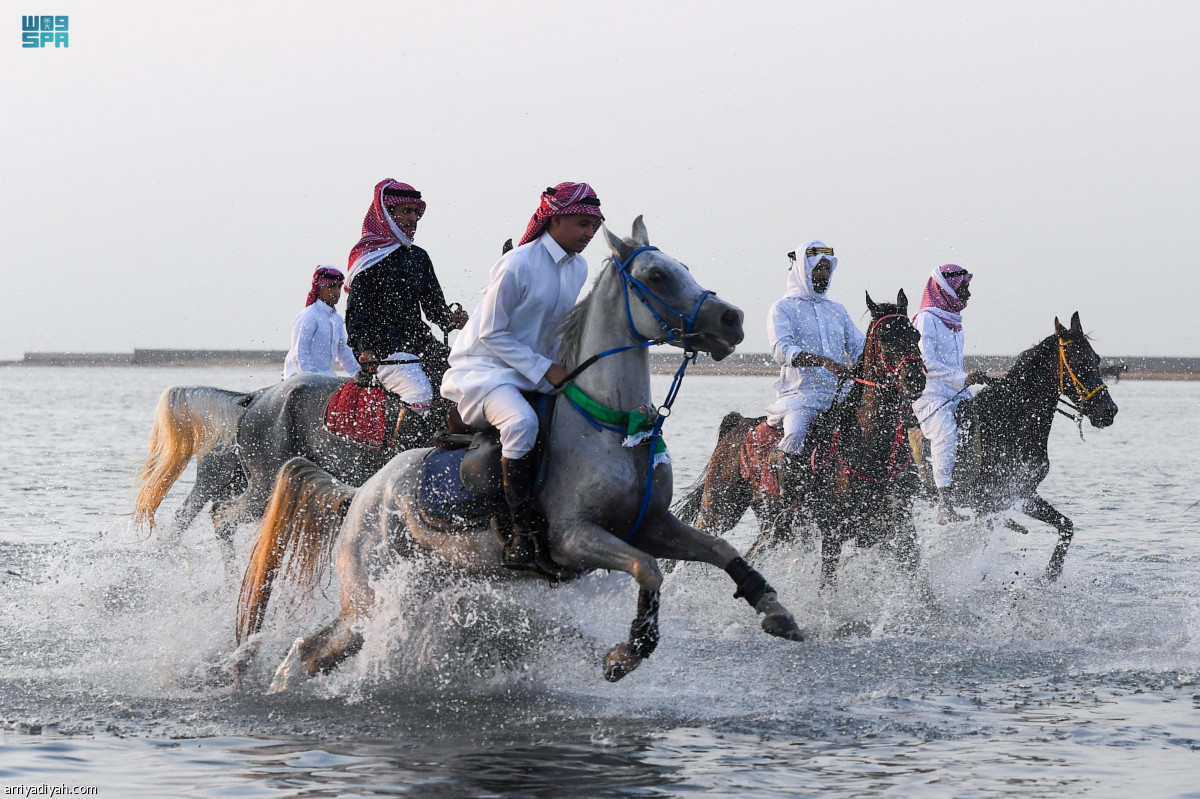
850, 404
570, 330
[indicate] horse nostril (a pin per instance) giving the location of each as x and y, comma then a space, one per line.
732, 317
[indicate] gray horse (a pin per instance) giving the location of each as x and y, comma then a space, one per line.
240, 441
593, 494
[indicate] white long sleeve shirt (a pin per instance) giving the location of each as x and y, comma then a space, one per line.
318, 341
942, 351
510, 338
820, 327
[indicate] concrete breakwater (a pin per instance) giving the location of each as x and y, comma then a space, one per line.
1135, 367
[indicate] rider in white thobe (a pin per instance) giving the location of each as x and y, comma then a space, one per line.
318, 334
939, 322
510, 346
815, 342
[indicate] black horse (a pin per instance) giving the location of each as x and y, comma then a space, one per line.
1004, 431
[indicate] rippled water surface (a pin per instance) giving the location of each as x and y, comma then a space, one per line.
114, 642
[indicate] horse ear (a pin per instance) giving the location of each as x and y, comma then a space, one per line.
616, 244
902, 303
1058, 328
1076, 327
507, 246
871, 306
639, 232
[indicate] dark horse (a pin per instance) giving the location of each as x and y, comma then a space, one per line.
858, 481
1005, 430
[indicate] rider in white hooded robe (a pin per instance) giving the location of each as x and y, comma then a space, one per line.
815, 343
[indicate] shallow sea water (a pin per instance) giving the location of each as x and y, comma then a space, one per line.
1001, 684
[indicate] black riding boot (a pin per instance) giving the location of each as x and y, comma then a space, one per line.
519, 475
789, 471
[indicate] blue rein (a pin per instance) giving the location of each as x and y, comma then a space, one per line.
683, 333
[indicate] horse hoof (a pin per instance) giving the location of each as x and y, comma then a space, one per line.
782, 625
291, 663
620, 661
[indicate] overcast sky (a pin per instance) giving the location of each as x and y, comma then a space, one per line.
172, 179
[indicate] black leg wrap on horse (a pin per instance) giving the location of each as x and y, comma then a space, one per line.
643, 633
750, 584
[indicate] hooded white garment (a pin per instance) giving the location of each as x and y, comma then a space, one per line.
804, 320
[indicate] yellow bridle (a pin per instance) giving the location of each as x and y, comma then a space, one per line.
1064, 369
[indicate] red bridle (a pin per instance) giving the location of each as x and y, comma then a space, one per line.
879, 356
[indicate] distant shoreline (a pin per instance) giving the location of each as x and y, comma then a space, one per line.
1134, 367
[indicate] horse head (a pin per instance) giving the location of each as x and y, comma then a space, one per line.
892, 351
667, 303
1079, 377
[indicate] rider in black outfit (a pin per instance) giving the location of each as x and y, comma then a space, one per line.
384, 312
391, 283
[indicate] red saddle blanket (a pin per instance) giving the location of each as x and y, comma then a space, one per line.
754, 454
358, 414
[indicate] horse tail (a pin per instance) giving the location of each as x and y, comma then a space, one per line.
298, 531
687, 509
189, 422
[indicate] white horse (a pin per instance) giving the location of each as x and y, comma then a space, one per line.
599, 511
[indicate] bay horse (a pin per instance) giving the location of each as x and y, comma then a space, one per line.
605, 498
857, 483
1004, 431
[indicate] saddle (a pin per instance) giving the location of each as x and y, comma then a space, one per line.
368, 416
461, 484
755, 453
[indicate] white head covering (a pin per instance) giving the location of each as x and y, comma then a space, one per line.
800, 277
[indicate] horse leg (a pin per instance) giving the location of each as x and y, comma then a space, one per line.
643, 639
1043, 511
357, 552
670, 538
831, 553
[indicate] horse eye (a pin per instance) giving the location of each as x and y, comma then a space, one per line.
655, 276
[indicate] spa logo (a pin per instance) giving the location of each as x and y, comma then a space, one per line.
40, 31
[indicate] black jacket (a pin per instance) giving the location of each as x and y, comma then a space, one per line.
384, 311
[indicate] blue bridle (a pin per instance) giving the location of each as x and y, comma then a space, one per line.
682, 333
643, 292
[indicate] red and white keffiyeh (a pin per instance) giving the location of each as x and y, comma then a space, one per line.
941, 295
563, 200
324, 276
381, 236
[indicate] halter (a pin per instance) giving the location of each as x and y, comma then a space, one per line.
682, 333
879, 352
1082, 393
628, 281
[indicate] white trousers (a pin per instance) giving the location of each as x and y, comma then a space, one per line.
407, 380
505, 409
941, 431
796, 422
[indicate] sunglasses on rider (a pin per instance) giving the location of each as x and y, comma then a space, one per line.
811, 251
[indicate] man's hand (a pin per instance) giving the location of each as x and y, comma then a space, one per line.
807, 359
556, 375
458, 317
978, 377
